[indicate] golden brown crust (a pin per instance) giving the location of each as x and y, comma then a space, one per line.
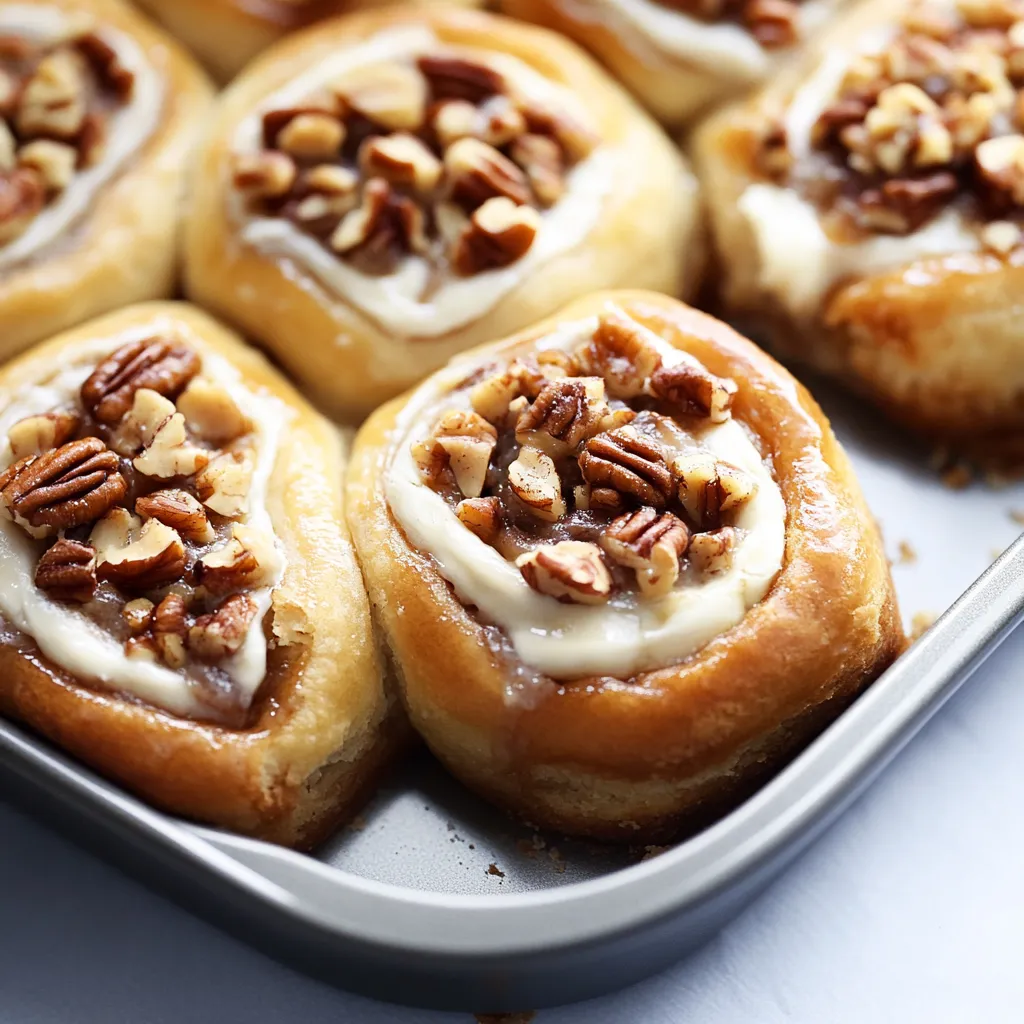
630, 758
936, 343
226, 34
647, 237
125, 248
329, 724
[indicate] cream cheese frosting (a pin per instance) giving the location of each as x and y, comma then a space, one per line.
66, 636
129, 127
396, 301
629, 635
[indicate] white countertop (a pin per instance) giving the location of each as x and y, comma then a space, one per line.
910, 909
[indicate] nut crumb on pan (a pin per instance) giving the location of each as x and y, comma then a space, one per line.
907, 553
1017, 515
921, 623
493, 869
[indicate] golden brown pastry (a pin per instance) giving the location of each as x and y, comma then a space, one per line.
227, 34
681, 56
621, 563
388, 189
98, 115
180, 605
867, 211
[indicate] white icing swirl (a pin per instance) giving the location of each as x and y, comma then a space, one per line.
564, 641
66, 636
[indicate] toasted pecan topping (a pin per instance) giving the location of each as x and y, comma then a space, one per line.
460, 79
137, 559
712, 552
630, 463
620, 354
179, 510
534, 480
498, 233
709, 487
570, 571
481, 515
67, 571
34, 435
565, 414
650, 542
170, 625
222, 633
468, 440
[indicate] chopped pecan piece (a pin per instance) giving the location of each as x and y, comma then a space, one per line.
211, 413
478, 172
498, 233
603, 499
137, 559
65, 487
626, 461
453, 120
1001, 165
534, 480
384, 220
180, 511
577, 141
400, 159
482, 516
138, 614
249, 559
536, 371
650, 542
431, 460
500, 121
620, 353
169, 453
54, 162
564, 415
37, 434
157, 364
22, 196
266, 175
468, 439
693, 390
712, 552
170, 630
222, 633
541, 157
773, 23
707, 487
312, 136
67, 571
460, 79
492, 397
571, 571
224, 484
53, 101
389, 94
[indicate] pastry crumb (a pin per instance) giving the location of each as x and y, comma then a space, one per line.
505, 1018
357, 824
559, 861
921, 623
994, 553
907, 553
1017, 515
493, 869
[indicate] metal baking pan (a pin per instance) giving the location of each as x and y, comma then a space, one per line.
432, 898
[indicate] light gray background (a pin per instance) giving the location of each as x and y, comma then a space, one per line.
910, 909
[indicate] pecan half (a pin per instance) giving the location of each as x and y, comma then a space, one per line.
482, 516
498, 233
63, 488
624, 460
650, 542
178, 510
571, 571
534, 480
564, 415
67, 571
138, 559
158, 364
712, 552
707, 487
468, 439
37, 434
619, 353
460, 79
222, 633
693, 390
478, 172
170, 630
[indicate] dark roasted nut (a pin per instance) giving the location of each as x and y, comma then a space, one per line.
222, 633
534, 480
63, 488
498, 233
391, 95
650, 542
712, 552
137, 614
180, 511
468, 440
693, 390
265, 175
482, 516
460, 79
626, 461
53, 100
400, 159
312, 136
773, 23
707, 487
571, 571
564, 415
170, 630
383, 220
22, 196
541, 157
477, 172
619, 353
67, 571
137, 559
37, 434
106, 64
157, 364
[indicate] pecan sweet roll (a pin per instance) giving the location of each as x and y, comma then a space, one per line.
871, 211
97, 113
179, 602
387, 190
227, 34
679, 57
611, 558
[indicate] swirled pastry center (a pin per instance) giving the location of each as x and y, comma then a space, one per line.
418, 181
77, 101
591, 496
910, 145
136, 549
